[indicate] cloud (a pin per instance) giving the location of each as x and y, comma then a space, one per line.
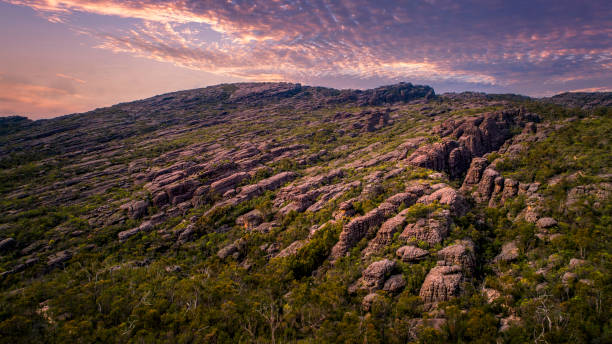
479, 42
68, 77
29, 97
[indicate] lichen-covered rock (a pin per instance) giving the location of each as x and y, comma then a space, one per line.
441, 284
411, 253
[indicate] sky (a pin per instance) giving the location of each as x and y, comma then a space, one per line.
65, 56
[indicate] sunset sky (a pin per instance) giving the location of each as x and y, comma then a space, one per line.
65, 56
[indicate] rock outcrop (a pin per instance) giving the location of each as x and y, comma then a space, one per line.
357, 228
411, 253
466, 139
374, 276
441, 284
433, 229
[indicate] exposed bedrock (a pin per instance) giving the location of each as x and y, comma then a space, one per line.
466, 139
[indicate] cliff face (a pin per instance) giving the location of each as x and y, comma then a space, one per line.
249, 208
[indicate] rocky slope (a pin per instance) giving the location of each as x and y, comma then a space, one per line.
258, 211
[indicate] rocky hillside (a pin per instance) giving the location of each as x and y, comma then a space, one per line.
276, 212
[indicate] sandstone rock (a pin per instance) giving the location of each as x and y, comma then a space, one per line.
145, 226
135, 209
394, 284
250, 220
433, 156
441, 284
160, 199
368, 301
227, 183
568, 278
510, 189
474, 173
546, 222
595, 193
432, 230
266, 227
58, 258
187, 234
491, 294
510, 252
292, 249
173, 268
575, 262
7, 244
496, 195
461, 254
411, 253
486, 186
458, 161
447, 196
356, 229
234, 249
508, 322
384, 236
373, 277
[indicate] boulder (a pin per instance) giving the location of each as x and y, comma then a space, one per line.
441, 284
7, 244
395, 284
486, 186
448, 196
373, 277
135, 209
250, 220
187, 234
58, 258
144, 227
432, 230
474, 173
461, 253
546, 222
234, 249
227, 183
509, 252
411, 253
292, 249
368, 301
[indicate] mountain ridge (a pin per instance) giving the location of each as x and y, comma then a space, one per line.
272, 211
